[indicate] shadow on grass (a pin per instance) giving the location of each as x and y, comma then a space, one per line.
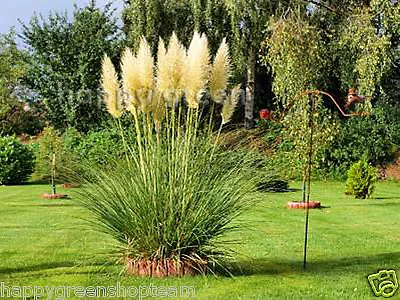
384, 204
337, 265
54, 205
64, 203
50, 266
39, 182
289, 190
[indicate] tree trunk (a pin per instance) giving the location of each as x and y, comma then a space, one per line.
249, 102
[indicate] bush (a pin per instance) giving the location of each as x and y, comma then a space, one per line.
74, 150
361, 179
175, 203
368, 138
98, 147
17, 161
20, 119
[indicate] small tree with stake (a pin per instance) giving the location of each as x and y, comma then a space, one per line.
296, 54
311, 148
299, 58
49, 150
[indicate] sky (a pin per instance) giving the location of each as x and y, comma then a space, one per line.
12, 10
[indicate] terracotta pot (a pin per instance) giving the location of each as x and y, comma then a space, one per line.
54, 196
311, 204
70, 185
165, 268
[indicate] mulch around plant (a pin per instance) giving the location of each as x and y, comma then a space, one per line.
311, 204
165, 268
70, 185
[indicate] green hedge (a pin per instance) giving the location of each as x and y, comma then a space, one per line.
372, 138
74, 150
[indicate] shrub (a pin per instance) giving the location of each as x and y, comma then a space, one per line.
21, 119
17, 161
98, 147
74, 150
182, 204
361, 179
368, 138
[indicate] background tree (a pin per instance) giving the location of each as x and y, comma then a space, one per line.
65, 58
359, 43
156, 19
362, 53
12, 67
212, 17
243, 23
297, 56
249, 20
16, 116
363, 38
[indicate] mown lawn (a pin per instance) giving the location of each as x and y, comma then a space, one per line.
45, 243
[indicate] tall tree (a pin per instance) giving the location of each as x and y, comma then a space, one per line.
156, 19
364, 38
249, 21
12, 67
212, 17
15, 117
243, 22
65, 60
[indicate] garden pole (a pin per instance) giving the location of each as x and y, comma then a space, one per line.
53, 174
308, 172
303, 186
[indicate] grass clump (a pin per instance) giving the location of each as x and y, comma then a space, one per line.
175, 194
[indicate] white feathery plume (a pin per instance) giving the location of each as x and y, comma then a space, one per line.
110, 84
230, 104
197, 69
221, 73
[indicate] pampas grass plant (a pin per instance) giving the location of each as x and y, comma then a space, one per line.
173, 198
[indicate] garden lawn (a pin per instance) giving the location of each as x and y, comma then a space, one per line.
46, 243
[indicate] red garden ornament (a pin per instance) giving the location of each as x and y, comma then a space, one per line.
265, 114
